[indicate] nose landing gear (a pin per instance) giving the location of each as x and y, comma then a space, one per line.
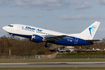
12, 35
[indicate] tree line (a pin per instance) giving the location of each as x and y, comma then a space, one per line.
24, 47
20, 47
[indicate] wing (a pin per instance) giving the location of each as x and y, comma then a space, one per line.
91, 41
54, 38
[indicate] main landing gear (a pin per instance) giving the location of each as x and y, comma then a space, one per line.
47, 45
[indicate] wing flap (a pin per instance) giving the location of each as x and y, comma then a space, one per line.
54, 38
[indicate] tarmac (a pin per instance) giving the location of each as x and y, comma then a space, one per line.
54, 65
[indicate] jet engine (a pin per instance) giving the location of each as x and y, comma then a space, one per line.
36, 38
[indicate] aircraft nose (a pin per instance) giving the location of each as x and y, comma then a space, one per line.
4, 28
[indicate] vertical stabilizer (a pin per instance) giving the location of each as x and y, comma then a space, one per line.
89, 33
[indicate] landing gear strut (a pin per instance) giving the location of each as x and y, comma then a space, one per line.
47, 45
12, 36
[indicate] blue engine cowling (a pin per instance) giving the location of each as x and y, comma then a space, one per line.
36, 38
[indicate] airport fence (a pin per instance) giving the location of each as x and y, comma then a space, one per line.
17, 57
79, 56
55, 57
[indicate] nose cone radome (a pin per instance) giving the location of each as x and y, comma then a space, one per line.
5, 28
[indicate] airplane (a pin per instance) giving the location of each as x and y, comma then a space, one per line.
36, 34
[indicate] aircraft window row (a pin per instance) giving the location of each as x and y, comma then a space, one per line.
10, 25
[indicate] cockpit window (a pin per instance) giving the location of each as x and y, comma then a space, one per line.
10, 25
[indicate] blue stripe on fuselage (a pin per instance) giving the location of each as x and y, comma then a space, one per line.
69, 40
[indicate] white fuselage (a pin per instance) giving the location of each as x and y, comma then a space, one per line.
29, 30
40, 35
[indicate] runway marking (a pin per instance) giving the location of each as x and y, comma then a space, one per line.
54, 65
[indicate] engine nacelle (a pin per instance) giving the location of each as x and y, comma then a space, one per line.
36, 38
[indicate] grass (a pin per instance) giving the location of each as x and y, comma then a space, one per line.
55, 69
48, 60
98, 53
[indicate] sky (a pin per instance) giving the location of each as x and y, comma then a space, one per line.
66, 16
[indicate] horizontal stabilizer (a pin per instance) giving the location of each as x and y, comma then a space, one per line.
91, 41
